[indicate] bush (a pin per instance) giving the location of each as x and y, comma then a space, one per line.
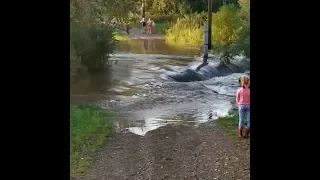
187, 30
231, 30
90, 47
91, 41
168, 7
163, 18
225, 27
242, 44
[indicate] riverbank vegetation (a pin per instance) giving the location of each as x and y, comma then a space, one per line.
187, 30
230, 29
230, 123
89, 125
91, 42
182, 22
120, 36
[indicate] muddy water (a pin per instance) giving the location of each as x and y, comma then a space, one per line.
138, 90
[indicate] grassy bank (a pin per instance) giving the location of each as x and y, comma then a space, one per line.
89, 125
229, 123
120, 36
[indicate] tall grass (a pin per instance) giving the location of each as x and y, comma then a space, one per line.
187, 30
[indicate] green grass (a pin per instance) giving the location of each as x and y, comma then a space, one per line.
185, 36
120, 36
89, 125
229, 123
162, 27
185, 31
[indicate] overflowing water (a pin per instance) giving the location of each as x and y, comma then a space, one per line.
140, 89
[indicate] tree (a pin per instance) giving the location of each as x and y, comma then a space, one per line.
225, 27
90, 41
242, 44
231, 30
120, 9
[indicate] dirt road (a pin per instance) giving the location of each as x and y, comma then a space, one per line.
173, 152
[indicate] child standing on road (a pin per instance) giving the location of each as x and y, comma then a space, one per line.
243, 101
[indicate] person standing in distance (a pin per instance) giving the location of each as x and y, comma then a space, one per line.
143, 23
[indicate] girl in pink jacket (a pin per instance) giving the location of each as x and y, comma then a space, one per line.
243, 101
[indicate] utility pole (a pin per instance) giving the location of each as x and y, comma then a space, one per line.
209, 23
205, 48
143, 9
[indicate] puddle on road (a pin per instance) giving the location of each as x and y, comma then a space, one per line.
143, 121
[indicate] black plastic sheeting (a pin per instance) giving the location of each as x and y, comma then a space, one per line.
209, 71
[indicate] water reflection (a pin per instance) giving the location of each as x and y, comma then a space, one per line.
142, 121
92, 82
148, 45
94, 87
128, 65
154, 46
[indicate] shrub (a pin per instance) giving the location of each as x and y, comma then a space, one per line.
187, 30
90, 47
225, 27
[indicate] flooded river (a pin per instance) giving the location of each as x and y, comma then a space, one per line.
138, 87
